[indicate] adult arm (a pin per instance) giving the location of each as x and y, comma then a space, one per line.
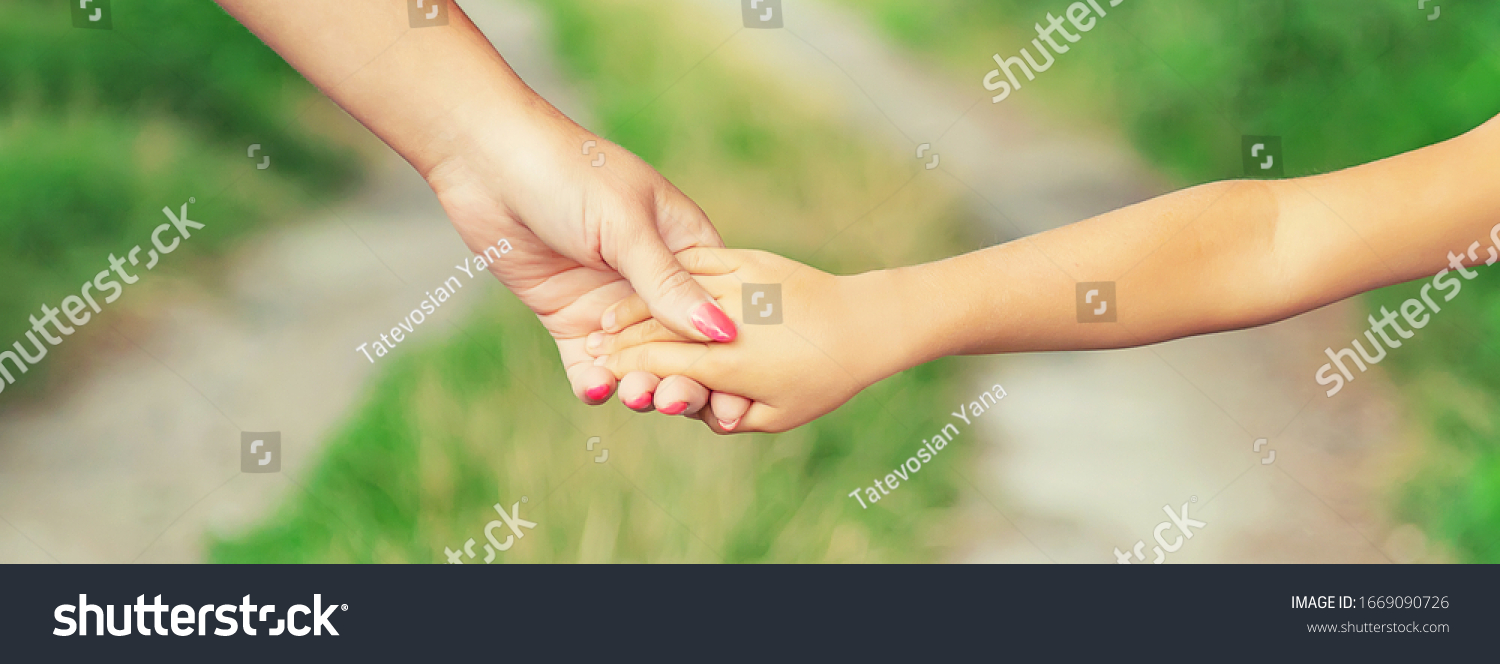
506, 164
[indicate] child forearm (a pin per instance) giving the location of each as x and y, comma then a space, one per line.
1217, 257
1176, 271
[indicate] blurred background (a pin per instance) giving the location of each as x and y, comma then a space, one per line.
124, 444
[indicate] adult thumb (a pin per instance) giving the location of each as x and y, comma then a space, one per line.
675, 298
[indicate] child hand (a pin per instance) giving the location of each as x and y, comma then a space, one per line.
835, 338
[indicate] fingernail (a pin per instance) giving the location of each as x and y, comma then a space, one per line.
712, 322
597, 393
642, 402
730, 424
595, 340
609, 319
676, 408
599, 361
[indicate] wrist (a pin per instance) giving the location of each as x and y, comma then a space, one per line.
928, 322
489, 134
894, 327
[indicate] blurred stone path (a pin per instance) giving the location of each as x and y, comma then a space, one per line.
1089, 447
136, 457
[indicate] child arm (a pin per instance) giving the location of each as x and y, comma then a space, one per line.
1221, 256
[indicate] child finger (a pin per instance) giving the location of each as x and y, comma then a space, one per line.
709, 260
725, 288
625, 313
638, 390
661, 359
643, 333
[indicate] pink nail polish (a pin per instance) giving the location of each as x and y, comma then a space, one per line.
712, 322
676, 408
597, 393
730, 425
640, 403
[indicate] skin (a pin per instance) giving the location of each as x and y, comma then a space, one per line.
1221, 256
505, 163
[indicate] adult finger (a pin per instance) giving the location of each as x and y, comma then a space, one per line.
591, 384
672, 295
682, 224
763, 418
680, 396
638, 390
728, 409
760, 418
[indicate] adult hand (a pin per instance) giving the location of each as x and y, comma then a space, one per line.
506, 164
585, 236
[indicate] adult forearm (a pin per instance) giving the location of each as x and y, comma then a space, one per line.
424, 91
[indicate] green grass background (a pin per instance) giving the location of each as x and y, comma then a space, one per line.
101, 129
